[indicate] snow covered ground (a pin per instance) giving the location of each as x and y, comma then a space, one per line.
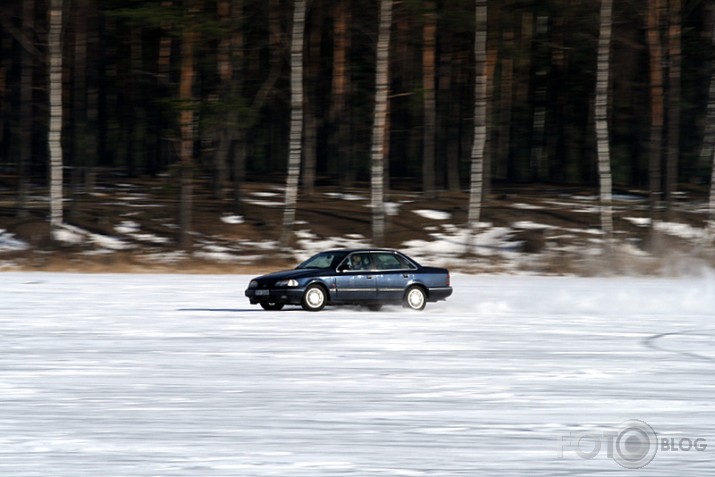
165, 375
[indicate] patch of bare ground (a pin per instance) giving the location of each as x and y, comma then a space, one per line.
534, 229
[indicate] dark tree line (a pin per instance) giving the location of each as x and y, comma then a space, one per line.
202, 88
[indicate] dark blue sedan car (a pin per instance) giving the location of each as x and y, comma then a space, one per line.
370, 277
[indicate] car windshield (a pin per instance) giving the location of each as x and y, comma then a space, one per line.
323, 260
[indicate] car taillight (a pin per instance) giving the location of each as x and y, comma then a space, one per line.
448, 279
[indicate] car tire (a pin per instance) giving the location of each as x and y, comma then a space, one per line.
270, 306
415, 298
314, 298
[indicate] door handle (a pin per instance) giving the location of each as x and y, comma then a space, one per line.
369, 277
404, 275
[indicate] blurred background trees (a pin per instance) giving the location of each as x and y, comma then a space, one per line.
140, 101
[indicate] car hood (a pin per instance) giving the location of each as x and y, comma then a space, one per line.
287, 274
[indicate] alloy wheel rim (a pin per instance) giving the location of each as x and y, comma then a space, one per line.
315, 298
415, 298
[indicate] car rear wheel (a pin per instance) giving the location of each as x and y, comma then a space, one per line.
314, 298
271, 306
415, 298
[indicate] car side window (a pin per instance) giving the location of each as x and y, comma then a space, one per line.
361, 261
390, 261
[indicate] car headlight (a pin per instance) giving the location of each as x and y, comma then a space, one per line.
287, 283
253, 284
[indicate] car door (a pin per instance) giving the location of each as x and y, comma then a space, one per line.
394, 276
356, 284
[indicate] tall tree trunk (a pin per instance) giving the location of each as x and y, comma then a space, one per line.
379, 123
710, 127
275, 50
601, 115
239, 168
312, 112
310, 147
186, 148
4, 102
711, 215
429, 36
55, 127
79, 150
164, 61
137, 121
480, 122
657, 102
674, 74
524, 169
538, 153
92, 95
225, 74
238, 71
707, 149
488, 166
296, 121
449, 110
163, 147
26, 108
108, 104
338, 119
506, 94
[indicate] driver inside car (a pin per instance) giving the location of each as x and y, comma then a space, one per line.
358, 262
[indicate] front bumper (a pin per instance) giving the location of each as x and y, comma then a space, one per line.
286, 296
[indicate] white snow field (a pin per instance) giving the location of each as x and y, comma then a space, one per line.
177, 375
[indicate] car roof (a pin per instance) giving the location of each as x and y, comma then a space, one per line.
352, 250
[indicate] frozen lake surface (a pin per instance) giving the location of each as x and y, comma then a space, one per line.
163, 375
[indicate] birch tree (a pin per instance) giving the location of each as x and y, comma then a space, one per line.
296, 120
480, 122
55, 126
380, 122
601, 114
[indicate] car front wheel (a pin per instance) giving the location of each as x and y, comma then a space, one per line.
314, 298
415, 298
271, 306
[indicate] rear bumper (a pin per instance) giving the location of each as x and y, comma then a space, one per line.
286, 296
439, 293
